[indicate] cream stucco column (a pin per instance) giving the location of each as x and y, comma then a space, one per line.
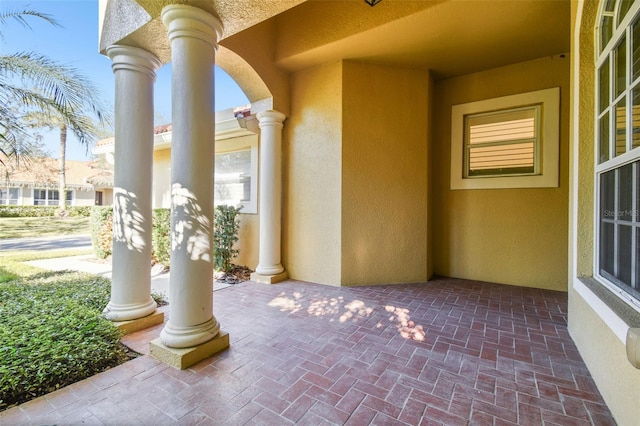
269, 268
135, 73
193, 34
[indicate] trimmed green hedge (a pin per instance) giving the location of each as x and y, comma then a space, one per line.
43, 211
225, 236
102, 231
52, 334
161, 236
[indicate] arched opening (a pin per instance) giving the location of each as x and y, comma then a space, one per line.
228, 94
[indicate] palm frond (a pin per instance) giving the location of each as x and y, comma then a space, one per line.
65, 85
37, 92
21, 17
59, 90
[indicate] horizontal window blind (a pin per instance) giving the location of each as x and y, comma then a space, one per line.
502, 143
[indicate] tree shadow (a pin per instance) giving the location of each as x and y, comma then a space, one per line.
128, 221
354, 311
192, 229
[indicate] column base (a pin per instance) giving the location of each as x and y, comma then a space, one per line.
269, 279
182, 358
189, 336
131, 326
119, 313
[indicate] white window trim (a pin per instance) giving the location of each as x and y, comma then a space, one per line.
550, 138
239, 144
614, 162
48, 199
18, 199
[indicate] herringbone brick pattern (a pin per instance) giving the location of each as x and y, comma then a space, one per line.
448, 352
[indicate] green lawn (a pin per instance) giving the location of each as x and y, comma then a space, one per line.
21, 227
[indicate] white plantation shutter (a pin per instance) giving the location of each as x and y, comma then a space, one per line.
502, 143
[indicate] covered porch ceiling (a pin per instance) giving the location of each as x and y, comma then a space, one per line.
447, 37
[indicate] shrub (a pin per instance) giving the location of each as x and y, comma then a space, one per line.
102, 231
52, 334
80, 211
43, 211
28, 211
161, 236
226, 225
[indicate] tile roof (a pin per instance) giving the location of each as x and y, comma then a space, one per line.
238, 112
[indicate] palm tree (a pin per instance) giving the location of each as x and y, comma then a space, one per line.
59, 96
90, 130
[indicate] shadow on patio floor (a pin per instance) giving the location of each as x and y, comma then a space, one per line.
450, 352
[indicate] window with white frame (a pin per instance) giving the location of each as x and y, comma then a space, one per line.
236, 173
49, 197
617, 170
506, 142
502, 143
9, 196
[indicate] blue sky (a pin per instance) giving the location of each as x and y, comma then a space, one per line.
76, 44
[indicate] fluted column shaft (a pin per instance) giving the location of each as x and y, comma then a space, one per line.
193, 34
135, 72
271, 124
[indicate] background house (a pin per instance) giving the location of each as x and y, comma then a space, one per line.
34, 182
236, 171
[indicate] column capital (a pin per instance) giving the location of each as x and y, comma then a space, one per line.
134, 59
270, 118
188, 21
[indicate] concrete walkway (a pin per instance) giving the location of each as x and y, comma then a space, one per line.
46, 243
90, 264
83, 263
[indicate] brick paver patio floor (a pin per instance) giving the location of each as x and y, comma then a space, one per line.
449, 352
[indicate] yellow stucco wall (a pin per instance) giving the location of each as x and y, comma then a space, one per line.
384, 174
585, 143
511, 236
591, 325
355, 173
312, 176
605, 355
161, 195
248, 240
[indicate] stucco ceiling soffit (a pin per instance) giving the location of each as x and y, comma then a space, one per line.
450, 38
118, 19
138, 23
236, 15
318, 23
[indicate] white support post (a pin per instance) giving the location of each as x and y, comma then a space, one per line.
193, 34
135, 72
270, 269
